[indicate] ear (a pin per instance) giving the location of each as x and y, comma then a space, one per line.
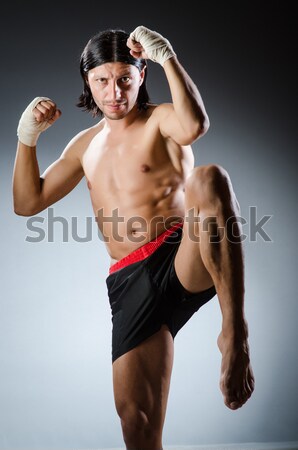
142, 75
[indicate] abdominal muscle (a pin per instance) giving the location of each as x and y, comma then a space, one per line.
125, 229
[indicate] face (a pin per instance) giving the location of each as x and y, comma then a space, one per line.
115, 87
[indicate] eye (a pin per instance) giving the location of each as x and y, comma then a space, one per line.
125, 79
101, 80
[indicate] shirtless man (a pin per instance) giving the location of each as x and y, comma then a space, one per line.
170, 228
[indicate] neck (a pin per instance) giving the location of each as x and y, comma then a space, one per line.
125, 122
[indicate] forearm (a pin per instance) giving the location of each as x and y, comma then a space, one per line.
26, 180
39, 115
187, 100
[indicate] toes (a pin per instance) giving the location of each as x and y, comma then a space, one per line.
239, 400
237, 391
234, 405
235, 400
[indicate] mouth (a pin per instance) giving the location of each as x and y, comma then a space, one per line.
114, 105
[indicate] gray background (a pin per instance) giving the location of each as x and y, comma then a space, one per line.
55, 325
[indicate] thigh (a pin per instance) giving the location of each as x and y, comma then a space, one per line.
141, 377
189, 265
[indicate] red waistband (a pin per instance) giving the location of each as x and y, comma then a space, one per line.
146, 250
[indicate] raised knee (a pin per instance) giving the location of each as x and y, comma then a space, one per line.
209, 183
211, 175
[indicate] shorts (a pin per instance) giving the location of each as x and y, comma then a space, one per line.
145, 293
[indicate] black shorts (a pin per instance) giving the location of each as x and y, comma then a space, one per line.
146, 294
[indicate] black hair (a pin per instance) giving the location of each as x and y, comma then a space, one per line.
108, 46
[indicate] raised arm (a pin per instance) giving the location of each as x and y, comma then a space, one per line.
33, 193
184, 120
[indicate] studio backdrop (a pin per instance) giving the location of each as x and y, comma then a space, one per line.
55, 320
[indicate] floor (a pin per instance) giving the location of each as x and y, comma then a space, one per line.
248, 446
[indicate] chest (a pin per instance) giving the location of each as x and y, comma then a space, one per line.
131, 161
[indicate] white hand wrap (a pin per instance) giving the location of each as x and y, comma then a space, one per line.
155, 45
29, 129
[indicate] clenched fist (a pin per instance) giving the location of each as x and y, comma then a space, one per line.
39, 115
145, 43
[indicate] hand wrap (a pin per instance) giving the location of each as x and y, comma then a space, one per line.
154, 44
29, 129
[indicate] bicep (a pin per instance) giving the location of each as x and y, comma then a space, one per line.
59, 179
170, 125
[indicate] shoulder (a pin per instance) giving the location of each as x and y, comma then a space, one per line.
160, 111
178, 153
80, 142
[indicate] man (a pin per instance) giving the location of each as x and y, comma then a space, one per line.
170, 229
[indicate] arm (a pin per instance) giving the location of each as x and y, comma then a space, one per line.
33, 193
185, 120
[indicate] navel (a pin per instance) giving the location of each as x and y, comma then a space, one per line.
145, 168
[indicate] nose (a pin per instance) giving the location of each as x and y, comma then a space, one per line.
114, 90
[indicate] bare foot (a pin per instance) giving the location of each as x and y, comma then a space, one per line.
236, 379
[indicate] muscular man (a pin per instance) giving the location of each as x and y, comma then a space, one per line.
170, 228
